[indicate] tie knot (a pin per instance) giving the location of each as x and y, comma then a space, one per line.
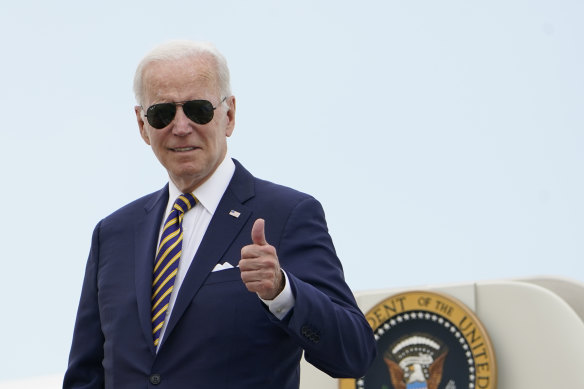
184, 202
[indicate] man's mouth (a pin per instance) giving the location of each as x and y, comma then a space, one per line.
182, 149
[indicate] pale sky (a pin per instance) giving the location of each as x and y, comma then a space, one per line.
444, 139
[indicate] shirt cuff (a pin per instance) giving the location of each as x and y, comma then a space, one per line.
282, 303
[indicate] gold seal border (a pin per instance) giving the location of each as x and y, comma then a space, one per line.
449, 308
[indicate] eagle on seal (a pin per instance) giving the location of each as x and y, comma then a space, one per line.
413, 364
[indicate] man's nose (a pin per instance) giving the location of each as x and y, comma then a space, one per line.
182, 125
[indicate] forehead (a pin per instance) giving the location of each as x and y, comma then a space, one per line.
179, 80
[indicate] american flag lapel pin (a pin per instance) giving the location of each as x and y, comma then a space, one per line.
234, 213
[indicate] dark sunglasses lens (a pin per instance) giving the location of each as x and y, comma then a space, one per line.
160, 115
199, 111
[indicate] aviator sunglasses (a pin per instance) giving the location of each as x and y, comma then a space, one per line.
199, 111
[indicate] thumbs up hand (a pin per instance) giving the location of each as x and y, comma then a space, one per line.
259, 265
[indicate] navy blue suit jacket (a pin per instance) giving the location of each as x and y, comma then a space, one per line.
219, 334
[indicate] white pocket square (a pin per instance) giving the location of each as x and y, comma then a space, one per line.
222, 266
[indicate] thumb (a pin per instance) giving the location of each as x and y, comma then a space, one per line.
258, 234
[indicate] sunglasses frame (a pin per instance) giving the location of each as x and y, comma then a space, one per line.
181, 104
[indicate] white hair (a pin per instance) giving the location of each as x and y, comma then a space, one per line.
181, 49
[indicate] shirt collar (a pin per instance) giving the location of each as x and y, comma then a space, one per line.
211, 191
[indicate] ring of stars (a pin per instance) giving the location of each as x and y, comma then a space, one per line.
421, 315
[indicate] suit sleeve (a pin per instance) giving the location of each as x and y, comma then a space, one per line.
85, 369
325, 321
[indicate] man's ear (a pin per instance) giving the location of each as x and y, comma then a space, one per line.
230, 116
140, 119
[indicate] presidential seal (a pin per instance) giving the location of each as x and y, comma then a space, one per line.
427, 340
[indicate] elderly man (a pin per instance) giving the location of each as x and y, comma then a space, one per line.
219, 279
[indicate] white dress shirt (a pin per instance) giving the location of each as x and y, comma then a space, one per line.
195, 223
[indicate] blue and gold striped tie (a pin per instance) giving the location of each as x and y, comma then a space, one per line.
166, 263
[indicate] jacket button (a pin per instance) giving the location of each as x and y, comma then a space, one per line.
155, 379
310, 333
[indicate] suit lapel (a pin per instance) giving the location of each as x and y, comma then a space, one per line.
145, 242
222, 231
